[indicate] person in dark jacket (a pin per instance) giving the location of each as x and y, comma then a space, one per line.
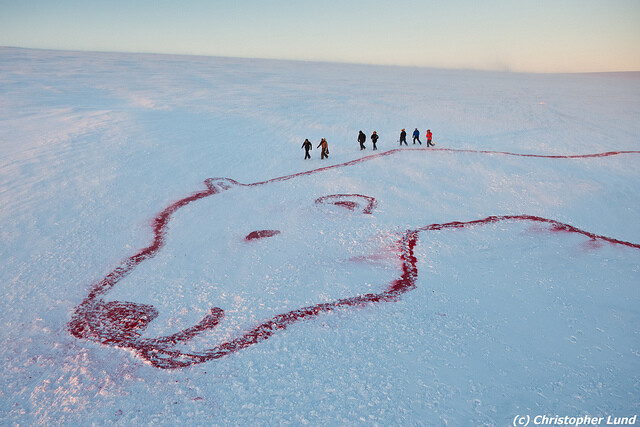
416, 136
307, 146
361, 139
325, 148
429, 137
374, 139
403, 137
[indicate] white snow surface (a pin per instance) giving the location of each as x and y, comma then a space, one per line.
505, 319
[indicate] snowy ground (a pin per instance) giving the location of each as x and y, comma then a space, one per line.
506, 318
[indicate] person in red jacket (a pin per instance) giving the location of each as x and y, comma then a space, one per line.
429, 137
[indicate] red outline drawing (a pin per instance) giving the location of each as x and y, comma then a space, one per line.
118, 323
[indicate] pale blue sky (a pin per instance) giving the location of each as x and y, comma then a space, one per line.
518, 35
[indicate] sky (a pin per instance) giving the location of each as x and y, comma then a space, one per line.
505, 35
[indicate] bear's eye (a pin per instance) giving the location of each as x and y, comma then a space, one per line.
352, 206
357, 203
261, 234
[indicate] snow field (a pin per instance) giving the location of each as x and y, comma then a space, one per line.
505, 319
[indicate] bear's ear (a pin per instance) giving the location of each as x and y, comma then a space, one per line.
352, 202
216, 185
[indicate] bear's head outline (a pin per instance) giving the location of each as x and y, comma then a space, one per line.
122, 323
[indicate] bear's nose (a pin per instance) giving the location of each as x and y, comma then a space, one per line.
261, 234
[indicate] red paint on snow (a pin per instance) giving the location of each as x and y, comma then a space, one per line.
118, 323
261, 234
365, 204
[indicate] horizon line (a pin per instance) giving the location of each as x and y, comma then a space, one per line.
315, 61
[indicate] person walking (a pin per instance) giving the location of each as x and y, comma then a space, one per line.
429, 137
416, 136
374, 139
307, 146
362, 138
325, 148
403, 137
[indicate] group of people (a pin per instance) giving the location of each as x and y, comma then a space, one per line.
308, 146
416, 137
362, 138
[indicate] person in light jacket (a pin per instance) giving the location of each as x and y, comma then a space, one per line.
325, 148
